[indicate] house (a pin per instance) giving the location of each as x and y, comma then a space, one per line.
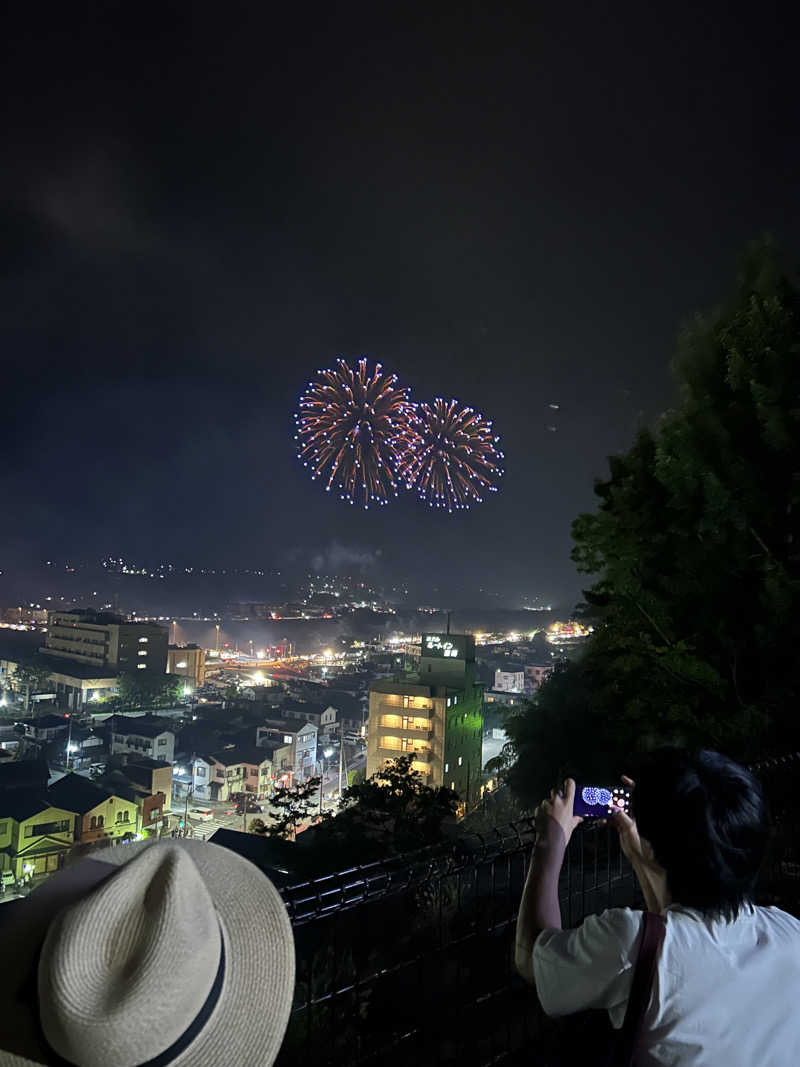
301, 757
152, 807
537, 673
207, 778
46, 727
146, 736
241, 770
153, 775
35, 832
302, 711
271, 770
103, 816
334, 722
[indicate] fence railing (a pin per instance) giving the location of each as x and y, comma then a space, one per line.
410, 960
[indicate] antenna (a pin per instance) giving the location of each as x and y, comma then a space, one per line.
448, 622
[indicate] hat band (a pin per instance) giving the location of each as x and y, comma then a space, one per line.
191, 1032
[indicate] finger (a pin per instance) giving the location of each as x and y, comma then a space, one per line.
569, 790
628, 781
622, 821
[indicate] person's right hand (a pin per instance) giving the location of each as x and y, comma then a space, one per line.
629, 840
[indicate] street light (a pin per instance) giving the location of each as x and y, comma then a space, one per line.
326, 754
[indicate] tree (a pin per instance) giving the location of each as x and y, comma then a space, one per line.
393, 811
257, 826
139, 689
696, 560
30, 678
292, 806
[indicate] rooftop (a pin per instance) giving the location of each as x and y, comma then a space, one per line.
48, 722
144, 727
241, 754
75, 793
21, 774
20, 804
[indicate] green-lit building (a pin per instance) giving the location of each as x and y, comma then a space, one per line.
436, 714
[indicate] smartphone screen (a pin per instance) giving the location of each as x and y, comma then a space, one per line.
597, 801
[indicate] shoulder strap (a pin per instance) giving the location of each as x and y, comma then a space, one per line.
653, 930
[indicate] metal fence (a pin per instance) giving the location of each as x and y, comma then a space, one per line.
411, 959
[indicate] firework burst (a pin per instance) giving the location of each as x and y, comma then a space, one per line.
351, 427
453, 458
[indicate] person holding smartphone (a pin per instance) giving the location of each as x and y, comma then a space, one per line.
727, 974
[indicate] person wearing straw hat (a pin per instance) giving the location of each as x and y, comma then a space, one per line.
147, 955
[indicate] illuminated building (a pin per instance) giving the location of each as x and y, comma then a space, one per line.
536, 673
509, 681
436, 715
104, 640
189, 661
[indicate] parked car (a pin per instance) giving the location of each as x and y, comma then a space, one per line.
252, 807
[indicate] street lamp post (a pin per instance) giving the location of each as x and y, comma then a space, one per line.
326, 755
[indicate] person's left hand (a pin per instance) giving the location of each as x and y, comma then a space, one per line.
558, 809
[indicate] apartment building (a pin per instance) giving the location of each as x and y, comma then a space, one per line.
105, 641
436, 716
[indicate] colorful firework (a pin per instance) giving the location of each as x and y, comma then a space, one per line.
352, 425
457, 458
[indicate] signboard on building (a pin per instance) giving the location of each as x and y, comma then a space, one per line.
444, 646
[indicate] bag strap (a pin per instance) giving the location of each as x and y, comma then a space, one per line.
653, 929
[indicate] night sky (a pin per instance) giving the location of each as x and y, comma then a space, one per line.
202, 204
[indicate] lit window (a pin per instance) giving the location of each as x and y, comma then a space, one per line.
453, 786
142, 652
178, 665
449, 702
446, 768
143, 640
460, 760
141, 666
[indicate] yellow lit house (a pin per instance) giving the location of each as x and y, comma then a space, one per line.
35, 834
103, 817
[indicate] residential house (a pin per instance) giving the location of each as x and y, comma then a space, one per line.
241, 770
46, 727
146, 736
301, 760
334, 722
153, 775
36, 833
536, 674
207, 778
152, 807
103, 816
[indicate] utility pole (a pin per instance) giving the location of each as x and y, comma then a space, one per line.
189, 792
69, 740
341, 757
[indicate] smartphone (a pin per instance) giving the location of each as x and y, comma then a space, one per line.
597, 801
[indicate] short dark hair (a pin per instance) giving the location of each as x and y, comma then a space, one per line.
708, 823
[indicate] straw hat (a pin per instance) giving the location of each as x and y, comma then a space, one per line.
172, 952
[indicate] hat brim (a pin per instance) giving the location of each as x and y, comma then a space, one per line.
250, 1018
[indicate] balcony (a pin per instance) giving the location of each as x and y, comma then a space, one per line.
416, 726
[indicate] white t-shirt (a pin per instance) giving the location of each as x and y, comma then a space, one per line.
724, 995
